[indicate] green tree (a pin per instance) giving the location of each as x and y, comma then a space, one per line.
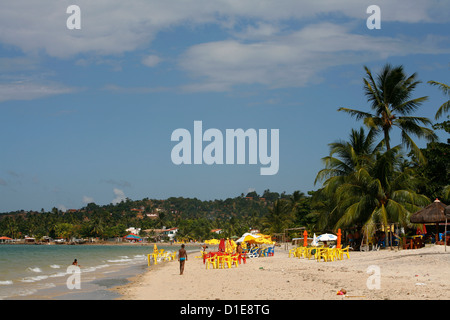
391, 104
445, 107
278, 218
366, 185
64, 230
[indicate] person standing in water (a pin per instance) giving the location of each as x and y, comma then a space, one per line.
182, 257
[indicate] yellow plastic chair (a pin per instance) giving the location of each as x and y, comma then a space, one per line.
211, 261
235, 260
292, 252
155, 258
201, 255
312, 253
320, 254
300, 252
331, 254
172, 256
223, 261
341, 253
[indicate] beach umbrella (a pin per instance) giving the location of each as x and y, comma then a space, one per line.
212, 242
263, 241
132, 237
339, 234
315, 243
248, 237
305, 238
222, 245
228, 248
327, 237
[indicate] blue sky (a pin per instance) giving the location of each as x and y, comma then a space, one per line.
87, 114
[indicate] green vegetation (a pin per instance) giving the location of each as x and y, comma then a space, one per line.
194, 218
365, 180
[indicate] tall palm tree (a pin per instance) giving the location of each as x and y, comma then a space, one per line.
391, 103
445, 107
345, 158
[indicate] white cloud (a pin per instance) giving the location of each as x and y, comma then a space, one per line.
119, 196
28, 90
115, 26
292, 59
151, 60
87, 200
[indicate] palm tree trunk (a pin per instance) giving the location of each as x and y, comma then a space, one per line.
386, 139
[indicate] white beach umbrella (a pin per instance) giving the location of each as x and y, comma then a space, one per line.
315, 243
327, 237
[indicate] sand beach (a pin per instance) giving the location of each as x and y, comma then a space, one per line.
420, 274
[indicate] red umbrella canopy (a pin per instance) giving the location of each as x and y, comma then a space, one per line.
5, 238
222, 245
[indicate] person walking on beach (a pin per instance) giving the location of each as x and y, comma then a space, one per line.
182, 257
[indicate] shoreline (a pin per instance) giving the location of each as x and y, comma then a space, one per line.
404, 274
40, 271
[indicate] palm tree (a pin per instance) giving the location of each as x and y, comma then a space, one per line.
445, 107
383, 194
294, 200
390, 100
347, 156
278, 218
365, 185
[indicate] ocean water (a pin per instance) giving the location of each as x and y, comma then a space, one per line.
40, 271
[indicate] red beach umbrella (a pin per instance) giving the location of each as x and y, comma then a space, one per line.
305, 238
222, 245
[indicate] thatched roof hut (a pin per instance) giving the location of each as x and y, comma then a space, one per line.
433, 213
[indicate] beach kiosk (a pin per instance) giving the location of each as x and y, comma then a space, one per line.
433, 213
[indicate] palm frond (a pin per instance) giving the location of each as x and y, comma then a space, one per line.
356, 113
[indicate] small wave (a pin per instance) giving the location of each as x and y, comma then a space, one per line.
49, 285
89, 269
27, 292
119, 260
5, 283
59, 274
34, 279
55, 266
35, 269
